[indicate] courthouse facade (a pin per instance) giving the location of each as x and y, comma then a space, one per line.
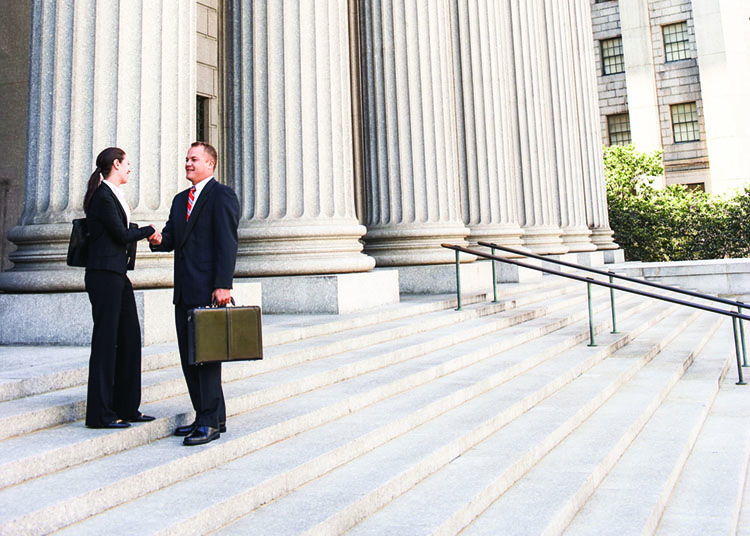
674, 75
356, 133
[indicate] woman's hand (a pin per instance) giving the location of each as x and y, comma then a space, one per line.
154, 239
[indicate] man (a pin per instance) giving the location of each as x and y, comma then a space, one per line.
202, 231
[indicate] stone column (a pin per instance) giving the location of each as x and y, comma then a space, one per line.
290, 138
567, 136
487, 123
723, 57
410, 132
640, 69
589, 126
101, 73
537, 202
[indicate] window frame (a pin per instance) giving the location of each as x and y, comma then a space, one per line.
677, 47
617, 60
615, 120
681, 126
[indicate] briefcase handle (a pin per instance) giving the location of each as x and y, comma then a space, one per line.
214, 304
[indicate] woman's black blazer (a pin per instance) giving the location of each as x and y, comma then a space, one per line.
109, 233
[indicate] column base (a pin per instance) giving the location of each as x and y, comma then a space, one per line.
329, 294
415, 245
614, 256
577, 239
544, 240
476, 277
603, 238
504, 235
300, 248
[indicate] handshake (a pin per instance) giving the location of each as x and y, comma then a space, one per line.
155, 239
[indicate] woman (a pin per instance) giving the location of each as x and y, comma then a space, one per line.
114, 389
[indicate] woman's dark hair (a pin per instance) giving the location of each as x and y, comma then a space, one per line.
104, 163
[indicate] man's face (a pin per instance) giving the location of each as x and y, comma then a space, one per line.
198, 165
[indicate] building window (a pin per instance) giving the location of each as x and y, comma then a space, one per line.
201, 118
613, 61
676, 41
618, 126
685, 122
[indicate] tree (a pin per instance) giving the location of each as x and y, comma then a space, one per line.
674, 223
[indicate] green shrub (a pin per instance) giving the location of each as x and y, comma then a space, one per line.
674, 223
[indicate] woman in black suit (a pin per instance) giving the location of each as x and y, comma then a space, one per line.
114, 388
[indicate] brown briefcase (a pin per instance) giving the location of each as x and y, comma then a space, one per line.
224, 334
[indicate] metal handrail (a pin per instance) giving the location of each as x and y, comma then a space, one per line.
736, 316
613, 275
609, 273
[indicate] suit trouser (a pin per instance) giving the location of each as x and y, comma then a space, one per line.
203, 380
114, 388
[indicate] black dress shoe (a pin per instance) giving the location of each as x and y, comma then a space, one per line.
182, 431
142, 417
201, 435
186, 430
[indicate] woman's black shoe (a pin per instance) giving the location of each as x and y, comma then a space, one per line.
142, 418
114, 424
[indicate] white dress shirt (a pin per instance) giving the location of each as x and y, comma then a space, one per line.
120, 195
199, 188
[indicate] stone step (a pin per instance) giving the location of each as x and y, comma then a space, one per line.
445, 500
42, 411
32, 370
56, 448
29, 370
631, 499
560, 483
312, 454
166, 463
707, 498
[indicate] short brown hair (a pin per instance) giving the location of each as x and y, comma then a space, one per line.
208, 148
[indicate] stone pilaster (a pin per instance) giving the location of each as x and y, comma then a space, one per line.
487, 123
101, 74
411, 167
589, 126
567, 135
290, 138
537, 202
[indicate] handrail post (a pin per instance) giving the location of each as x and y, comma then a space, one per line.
494, 278
742, 338
458, 283
737, 352
591, 317
612, 301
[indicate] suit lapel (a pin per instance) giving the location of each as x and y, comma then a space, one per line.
195, 213
120, 210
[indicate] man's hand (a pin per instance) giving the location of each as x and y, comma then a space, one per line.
155, 239
221, 296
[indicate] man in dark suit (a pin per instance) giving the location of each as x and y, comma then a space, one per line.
202, 232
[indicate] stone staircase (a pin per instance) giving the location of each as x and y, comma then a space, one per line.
409, 419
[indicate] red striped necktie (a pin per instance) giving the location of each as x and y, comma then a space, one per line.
191, 198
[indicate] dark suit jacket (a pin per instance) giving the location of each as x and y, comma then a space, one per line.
109, 234
205, 247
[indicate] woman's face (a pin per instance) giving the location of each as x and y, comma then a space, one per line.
122, 169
